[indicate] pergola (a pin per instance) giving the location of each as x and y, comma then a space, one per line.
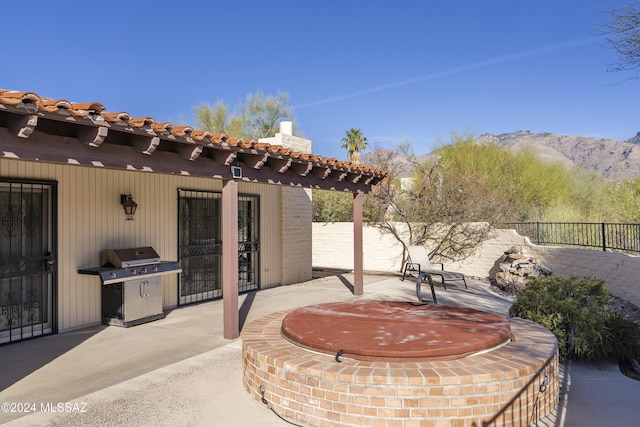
58, 131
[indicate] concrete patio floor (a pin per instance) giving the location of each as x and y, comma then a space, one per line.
180, 371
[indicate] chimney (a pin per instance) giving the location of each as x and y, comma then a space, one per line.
286, 128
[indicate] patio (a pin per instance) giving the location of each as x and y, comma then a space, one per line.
181, 371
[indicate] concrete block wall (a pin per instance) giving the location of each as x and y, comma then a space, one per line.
620, 271
333, 247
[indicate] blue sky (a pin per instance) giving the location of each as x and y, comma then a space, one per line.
415, 70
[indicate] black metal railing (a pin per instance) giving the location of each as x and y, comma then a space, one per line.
533, 402
604, 236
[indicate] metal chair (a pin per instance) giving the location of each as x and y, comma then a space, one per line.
418, 261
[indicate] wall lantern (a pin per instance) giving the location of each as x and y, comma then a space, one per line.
128, 205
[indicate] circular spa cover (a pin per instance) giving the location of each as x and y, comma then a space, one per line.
392, 330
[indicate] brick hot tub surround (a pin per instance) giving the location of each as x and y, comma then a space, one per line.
401, 365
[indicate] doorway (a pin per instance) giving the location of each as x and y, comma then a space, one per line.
28, 259
200, 245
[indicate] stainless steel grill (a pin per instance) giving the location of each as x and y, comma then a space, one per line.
131, 285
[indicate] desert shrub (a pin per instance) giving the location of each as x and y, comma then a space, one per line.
577, 310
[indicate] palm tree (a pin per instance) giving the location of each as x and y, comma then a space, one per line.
354, 142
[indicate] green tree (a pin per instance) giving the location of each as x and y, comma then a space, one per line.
623, 35
448, 212
354, 142
261, 114
257, 117
332, 206
213, 118
625, 197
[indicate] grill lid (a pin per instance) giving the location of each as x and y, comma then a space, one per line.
129, 257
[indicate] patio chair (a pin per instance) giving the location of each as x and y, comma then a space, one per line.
418, 261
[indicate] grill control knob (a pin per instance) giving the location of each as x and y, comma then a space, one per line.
113, 275
144, 271
155, 269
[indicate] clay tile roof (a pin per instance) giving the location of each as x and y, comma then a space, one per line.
262, 146
52, 105
116, 117
182, 130
138, 122
246, 144
161, 127
199, 135
47, 105
83, 110
219, 137
94, 107
13, 97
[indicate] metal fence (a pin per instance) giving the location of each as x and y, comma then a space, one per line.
613, 237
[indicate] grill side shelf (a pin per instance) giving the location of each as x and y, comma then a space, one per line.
95, 271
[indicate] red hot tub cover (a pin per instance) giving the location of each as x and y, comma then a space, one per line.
393, 330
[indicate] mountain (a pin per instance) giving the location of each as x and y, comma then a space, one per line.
615, 160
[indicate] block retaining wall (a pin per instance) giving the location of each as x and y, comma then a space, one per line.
501, 387
383, 253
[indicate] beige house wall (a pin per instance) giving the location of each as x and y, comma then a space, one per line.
333, 241
90, 219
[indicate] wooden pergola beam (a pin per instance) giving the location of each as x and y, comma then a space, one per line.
23, 126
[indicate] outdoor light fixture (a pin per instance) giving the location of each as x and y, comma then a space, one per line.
128, 205
236, 172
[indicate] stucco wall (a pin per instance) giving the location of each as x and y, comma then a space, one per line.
333, 247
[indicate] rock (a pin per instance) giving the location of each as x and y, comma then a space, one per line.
516, 265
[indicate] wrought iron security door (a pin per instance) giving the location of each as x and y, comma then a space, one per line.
28, 278
248, 243
200, 245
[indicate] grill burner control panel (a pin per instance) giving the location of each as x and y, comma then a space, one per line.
120, 265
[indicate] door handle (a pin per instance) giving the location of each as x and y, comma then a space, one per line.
144, 288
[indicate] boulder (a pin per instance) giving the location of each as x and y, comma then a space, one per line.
515, 267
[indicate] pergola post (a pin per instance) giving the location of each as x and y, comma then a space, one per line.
230, 259
358, 277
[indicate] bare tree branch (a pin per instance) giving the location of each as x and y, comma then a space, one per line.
623, 35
